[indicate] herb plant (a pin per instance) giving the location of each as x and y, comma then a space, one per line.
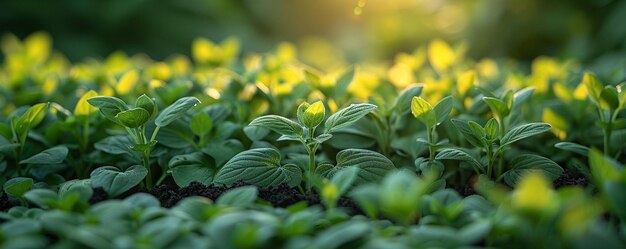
134, 120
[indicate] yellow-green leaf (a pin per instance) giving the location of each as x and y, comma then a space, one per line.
127, 82
440, 55
423, 111
83, 108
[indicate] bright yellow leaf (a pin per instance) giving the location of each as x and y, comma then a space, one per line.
83, 108
127, 82
202, 50
533, 192
465, 82
558, 123
440, 55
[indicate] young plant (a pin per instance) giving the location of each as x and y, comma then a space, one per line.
18, 132
431, 117
489, 140
248, 165
134, 120
609, 102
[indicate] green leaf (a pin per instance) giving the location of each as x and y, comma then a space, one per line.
523, 164
82, 187
260, 167
603, 168
477, 130
344, 178
492, 129
524, 131
133, 118
372, 166
343, 82
44, 198
31, 118
403, 102
594, 87
300, 113
609, 98
201, 124
53, 155
521, 96
147, 104
116, 182
17, 186
456, 154
175, 110
238, 197
108, 106
423, 111
442, 109
573, 147
468, 133
498, 107
279, 125
347, 116
194, 167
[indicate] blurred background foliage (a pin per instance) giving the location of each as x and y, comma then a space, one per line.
355, 30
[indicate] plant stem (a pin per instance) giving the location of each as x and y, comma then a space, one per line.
489, 161
311, 151
145, 155
431, 138
607, 135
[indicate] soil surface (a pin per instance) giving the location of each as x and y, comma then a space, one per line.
571, 178
279, 196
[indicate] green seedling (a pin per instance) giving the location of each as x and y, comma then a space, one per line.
431, 117
310, 117
134, 119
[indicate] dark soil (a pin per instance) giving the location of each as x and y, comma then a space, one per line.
279, 196
464, 191
571, 178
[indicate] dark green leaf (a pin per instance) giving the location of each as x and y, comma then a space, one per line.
403, 102
260, 167
524, 131
573, 147
133, 118
498, 107
468, 133
116, 182
147, 104
372, 165
279, 125
17, 186
238, 197
53, 155
194, 167
443, 108
201, 124
175, 110
456, 154
347, 116
523, 164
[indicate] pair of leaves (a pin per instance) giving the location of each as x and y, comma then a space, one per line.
477, 135
261, 167
372, 166
293, 130
145, 109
